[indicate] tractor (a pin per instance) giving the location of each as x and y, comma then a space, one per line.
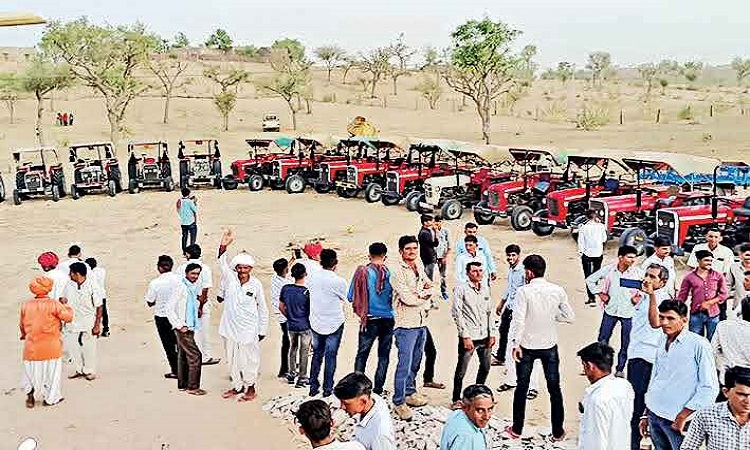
368, 174
295, 174
95, 169
200, 164
256, 169
39, 173
149, 166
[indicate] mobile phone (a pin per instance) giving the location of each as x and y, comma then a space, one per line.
631, 284
297, 253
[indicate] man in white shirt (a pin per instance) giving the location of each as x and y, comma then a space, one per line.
661, 256
374, 429
160, 291
85, 297
205, 283
731, 341
737, 280
311, 260
723, 259
279, 279
49, 263
99, 275
540, 305
244, 321
316, 424
592, 237
327, 296
608, 403
472, 254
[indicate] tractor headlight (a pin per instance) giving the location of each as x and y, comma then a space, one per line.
660, 223
671, 225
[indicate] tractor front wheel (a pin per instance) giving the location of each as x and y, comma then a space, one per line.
255, 182
132, 186
373, 193
452, 210
74, 192
168, 184
295, 184
111, 188
412, 200
520, 218
16, 197
2, 190
636, 238
55, 193
482, 218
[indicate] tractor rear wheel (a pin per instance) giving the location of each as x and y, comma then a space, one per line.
55, 193
295, 184
373, 193
111, 188
16, 197
520, 218
168, 184
540, 228
229, 183
132, 186
412, 200
74, 192
452, 209
634, 237
255, 182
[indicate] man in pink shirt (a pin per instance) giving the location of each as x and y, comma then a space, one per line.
706, 288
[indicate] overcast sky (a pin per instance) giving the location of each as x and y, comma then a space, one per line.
633, 31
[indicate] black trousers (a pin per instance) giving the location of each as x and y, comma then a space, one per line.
551, 366
639, 375
482, 349
502, 346
189, 234
430, 354
284, 369
189, 360
105, 317
168, 341
590, 265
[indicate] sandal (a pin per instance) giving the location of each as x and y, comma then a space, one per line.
247, 397
532, 394
230, 393
434, 385
211, 361
505, 387
30, 402
196, 392
73, 376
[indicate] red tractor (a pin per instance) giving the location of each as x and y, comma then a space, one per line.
38, 173
294, 174
425, 159
256, 169
149, 166
200, 163
369, 173
523, 194
603, 174
95, 169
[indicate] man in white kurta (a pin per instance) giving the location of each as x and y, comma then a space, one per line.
205, 283
86, 299
244, 321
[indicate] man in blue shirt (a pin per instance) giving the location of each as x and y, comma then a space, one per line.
472, 229
187, 211
465, 429
683, 379
371, 295
516, 279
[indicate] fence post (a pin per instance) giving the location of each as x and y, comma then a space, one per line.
658, 115
711, 111
622, 117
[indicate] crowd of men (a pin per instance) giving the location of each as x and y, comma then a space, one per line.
676, 356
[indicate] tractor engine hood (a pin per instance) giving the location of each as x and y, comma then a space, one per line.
447, 181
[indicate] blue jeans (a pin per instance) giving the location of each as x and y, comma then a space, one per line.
382, 330
324, 345
605, 332
410, 344
639, 375
662, 435
700, 320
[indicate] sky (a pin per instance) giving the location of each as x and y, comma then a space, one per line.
633, 31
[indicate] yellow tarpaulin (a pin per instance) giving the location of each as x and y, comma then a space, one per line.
361, 127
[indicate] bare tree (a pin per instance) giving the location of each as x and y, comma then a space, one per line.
648, 72
401, 54
377, 64
43, 77
291, 82
331, 55
168, 69
347, 64
431, 91
599, 63
229, 83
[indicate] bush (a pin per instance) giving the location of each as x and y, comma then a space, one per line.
329, 98
592, 118
686, 113
555, 112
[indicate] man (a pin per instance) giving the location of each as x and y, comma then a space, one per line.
327, 294
428, 243
42, 350
187, 212
723, 259
205, 283
706, 289
735, 280
294, 304
540, 305
683, 379
662, 256
592, 237
371, 295
182, 313
516, 279
99, 275
472, 229
618, 300
244, 321
724, 426
75, 254
48, 261
645, 335
86, 299
315, 423
472, 254
311, 260
731, 342
466, 429
412, 291
279, 279
608, 402
160, 291
443, 250
374, 429
475, 318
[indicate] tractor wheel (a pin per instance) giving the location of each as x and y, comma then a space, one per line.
2, 190
539, 228
74, 192
117, 176
373, 193
111, 188
483, 218
255, 182
520, 218
55, 193
132, 186
634, 237
390, 200
295, 184
412, 200
58, 179
347, 193
184, 174
323, 188
229, 183
168, 184
16, 197
452, 209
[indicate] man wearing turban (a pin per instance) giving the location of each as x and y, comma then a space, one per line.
244, 321
49, 263
42, 354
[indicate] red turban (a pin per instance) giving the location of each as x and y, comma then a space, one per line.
48, 260
312, 250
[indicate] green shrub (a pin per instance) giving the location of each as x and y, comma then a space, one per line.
592, 117
686, 113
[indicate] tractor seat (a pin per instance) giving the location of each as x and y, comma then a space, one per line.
745, 210
149, 160
665, 202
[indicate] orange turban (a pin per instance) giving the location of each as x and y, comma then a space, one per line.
41, 286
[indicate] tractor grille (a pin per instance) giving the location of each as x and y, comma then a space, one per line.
493, 199
391, 183
91, 175
235, 171
554, 206
324, 174
33, 181
351, 174
432, 194
150, 172
201, 168
667, 225
276, 169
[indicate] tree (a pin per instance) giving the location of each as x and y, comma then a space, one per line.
229, 83
9, 88
663, 82
528, 67
292, 47
565, 71
40, 78
220, 40
331, 55
105, 58
377, 64
599, 63
180, 41
347, 64
648, 73
168, 69
291, 81
431, 91
691, 70
482, 64
402, 54
742, 68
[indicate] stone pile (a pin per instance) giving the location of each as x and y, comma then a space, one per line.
423, 431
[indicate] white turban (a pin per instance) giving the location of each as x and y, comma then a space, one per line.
242, 259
